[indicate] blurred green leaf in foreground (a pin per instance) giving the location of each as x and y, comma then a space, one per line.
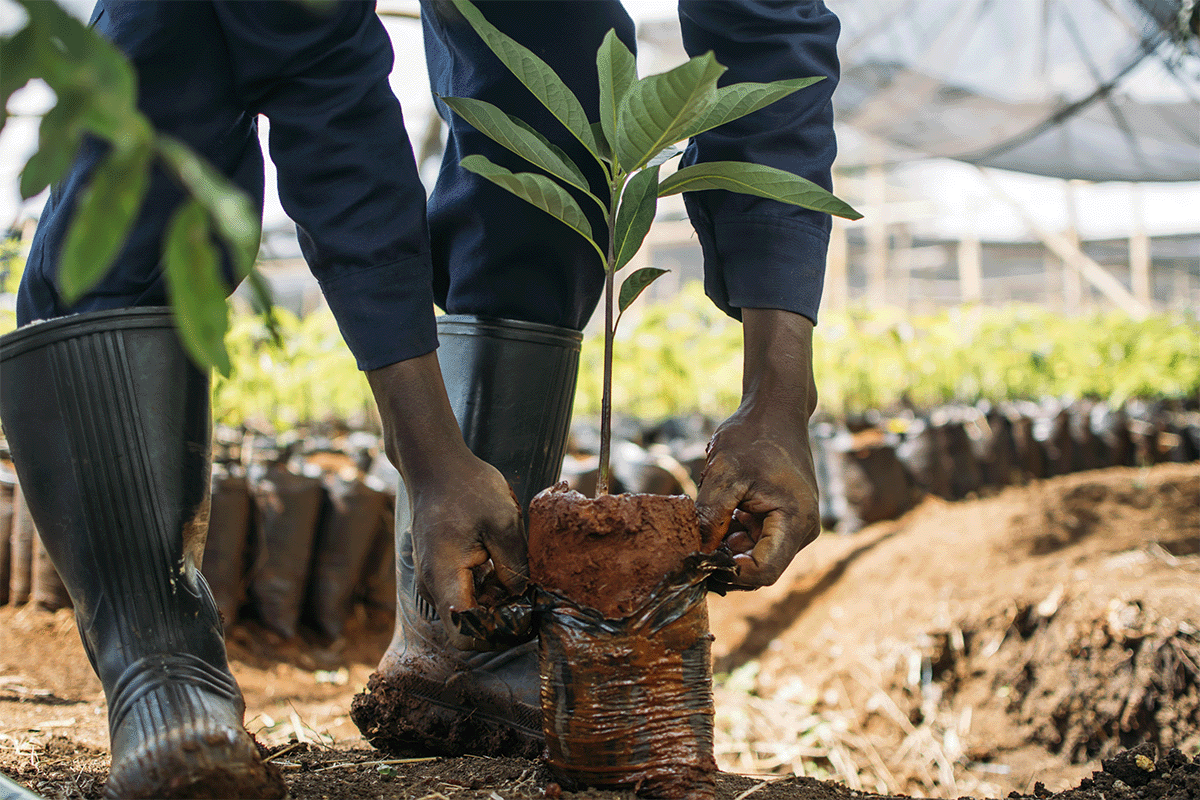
95, 90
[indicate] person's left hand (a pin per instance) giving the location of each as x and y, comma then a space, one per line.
759, 494
759, 490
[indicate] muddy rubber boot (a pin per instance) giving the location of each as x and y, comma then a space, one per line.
511, 385
108, 423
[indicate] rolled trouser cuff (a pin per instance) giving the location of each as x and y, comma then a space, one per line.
385, 313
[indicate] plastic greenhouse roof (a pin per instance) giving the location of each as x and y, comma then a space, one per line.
1092, 89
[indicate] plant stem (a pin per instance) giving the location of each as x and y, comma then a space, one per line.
618, 181
606, 399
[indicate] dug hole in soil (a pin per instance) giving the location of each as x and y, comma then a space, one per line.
974, 648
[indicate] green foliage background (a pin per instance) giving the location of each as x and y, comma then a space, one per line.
685, 355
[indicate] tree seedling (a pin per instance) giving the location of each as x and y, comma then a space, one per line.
641, 121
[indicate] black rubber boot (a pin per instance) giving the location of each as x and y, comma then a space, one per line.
511, 385
108, 423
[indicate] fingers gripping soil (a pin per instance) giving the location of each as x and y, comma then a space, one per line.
758, 492
457, 530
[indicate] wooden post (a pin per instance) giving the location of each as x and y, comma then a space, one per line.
1052, 267
901, 267
1072, 281
877, 234
1139, 250
970, 268
837, 283
1074, 259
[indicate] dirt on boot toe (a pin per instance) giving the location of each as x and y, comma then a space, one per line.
400, 714
196, 765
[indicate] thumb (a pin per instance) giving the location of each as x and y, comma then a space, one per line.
718, 497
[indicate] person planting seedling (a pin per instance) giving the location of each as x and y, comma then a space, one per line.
532, 281
610, 571
107, 419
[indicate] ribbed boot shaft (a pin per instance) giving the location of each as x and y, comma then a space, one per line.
109, 431
512, 385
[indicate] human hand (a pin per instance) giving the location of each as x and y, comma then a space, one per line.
469, 546
468, 537
758, 493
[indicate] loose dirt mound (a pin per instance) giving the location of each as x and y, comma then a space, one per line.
981, 647
977, 647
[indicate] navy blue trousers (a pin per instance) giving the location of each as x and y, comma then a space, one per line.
347, 176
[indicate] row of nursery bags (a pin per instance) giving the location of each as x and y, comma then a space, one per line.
286, 547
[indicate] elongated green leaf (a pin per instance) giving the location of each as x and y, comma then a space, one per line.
538, 190
618, 72
16, 66
636, 283
664, 155
520, 138
85, 68
758, 180
263, 303
535, 74
635, 215
237, 221
105, 214
660, 109
59, 136
740, 99
196, 288
604, 150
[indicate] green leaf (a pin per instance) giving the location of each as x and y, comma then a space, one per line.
196, 287
664, 155
636, 283
105, 215
59, 136
635, 215
537, 190
16, 66
535, 74
618, 73
263, 303
659, 110
86, 69
741, 99
602, 145
43, 168
520, 138
758, 180
236, 219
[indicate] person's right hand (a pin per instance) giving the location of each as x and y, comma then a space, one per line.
465, 517
466, 524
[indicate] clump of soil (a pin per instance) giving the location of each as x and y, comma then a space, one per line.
1082, 678
609, 553
976, 647
625, 650
1134, 775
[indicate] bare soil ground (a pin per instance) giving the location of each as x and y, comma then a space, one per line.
1004, 644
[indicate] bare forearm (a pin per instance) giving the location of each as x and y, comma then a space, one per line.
777, 371
420, 430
